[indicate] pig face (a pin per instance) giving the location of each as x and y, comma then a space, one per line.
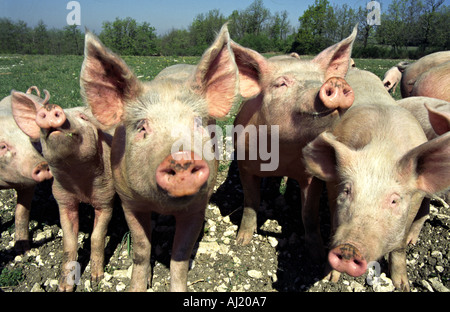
296, 94
21, 165
62, 133
161, 137
378, 184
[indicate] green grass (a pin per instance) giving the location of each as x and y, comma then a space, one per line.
60, 74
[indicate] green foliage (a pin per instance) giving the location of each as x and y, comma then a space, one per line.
10, 277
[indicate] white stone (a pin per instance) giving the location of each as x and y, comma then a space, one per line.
272, 241
120, 286
255, 273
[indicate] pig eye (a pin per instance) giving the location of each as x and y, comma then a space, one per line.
142, 128
84, 117
282, 82
3, 148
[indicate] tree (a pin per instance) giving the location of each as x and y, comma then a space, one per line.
313, 34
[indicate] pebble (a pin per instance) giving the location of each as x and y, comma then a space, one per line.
384, 284
37, 288
437, 285
121, 286
272, 241
255, 273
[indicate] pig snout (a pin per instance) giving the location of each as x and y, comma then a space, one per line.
50, 116
182, 174
336, 93
41, 172
347, 258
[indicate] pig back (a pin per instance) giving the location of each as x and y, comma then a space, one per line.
368, 88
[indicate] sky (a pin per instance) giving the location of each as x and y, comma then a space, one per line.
161, 14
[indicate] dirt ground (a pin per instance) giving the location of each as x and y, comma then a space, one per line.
275, 260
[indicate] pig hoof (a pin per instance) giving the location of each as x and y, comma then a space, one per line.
95, 278
244, 237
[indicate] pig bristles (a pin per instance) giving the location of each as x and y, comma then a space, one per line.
47, 97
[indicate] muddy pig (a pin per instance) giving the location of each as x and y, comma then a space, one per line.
378, 166
78, 154
391, 78
155, 166
412, 71
22, 168
295, 100
434, 83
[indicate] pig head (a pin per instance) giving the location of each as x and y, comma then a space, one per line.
156, 167
378, 166
22, 167
296, 100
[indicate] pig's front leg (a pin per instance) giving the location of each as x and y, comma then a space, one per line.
102, 216
397, 267
188, 227
68, 214
139, 224
22, 219
310, 195
251, 186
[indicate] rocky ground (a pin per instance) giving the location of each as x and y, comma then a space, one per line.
275, 260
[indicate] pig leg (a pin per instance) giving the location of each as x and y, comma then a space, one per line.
101, 221
397, 267
68, 214
139, 224
251, 186
188, 227
310, 195
22, 218
421, 217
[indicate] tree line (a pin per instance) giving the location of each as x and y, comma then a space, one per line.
422, 24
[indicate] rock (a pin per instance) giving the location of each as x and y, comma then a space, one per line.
255, 273
357, 287
120, 286
437, 285
272, 241
37, 288
427, 285
384, 284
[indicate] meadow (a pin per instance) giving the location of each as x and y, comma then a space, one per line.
60, 74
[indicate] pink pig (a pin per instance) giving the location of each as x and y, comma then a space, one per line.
78, 154
22, 168
155, 166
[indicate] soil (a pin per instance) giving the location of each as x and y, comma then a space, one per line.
275, 260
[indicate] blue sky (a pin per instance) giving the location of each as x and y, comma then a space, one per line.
163, 14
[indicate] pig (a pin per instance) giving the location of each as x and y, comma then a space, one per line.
22, 168
378, 165
434, 118
391, 78
155, 167
299, 99
426, 108
412, 71
78, 155
434, 83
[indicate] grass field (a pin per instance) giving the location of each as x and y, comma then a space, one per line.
60, 75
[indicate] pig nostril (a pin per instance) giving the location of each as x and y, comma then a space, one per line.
171, 172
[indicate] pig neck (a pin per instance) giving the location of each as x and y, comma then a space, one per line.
74, 170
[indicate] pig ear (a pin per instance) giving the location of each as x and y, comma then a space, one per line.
24, 110
106, 81
323, 155
335, 60
251, 66
429, 164
216, 76
440, 121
